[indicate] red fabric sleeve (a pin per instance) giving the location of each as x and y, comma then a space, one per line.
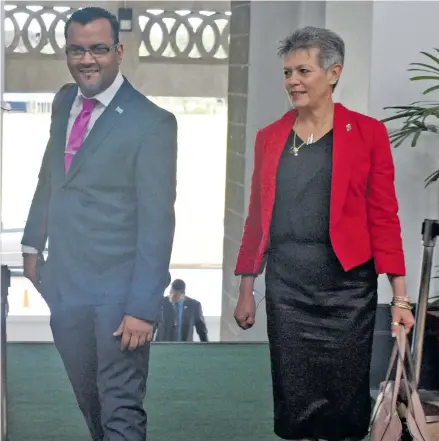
382, 207
252, 228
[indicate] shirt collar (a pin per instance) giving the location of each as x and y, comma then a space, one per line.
109, 93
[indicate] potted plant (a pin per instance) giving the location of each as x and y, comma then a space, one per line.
417, 118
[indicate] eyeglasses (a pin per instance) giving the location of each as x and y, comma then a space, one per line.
98, 50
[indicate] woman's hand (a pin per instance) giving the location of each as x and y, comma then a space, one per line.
245, 311
401, 316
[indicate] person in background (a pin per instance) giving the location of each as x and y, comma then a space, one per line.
323, 212
180, 315
105, 202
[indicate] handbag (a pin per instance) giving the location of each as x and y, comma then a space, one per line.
398, 414
411, 406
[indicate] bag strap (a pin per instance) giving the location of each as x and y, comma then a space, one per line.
392, 361
398, 374
402, 352
411, 379
411, 366
410, 385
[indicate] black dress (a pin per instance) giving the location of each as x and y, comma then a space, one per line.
320, 318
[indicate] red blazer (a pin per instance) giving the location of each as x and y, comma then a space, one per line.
364, 219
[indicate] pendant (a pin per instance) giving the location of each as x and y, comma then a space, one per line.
295, 151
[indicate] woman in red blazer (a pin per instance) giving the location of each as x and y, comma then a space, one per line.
323, 223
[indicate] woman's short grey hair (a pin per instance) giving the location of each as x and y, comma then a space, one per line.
331, 47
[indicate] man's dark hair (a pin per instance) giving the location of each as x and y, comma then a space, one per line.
87, 15
178, 285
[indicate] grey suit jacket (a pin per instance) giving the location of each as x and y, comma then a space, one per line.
110, 220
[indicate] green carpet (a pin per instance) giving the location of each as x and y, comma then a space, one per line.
214, 392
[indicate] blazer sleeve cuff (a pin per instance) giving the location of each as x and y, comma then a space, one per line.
388, 264
144, 309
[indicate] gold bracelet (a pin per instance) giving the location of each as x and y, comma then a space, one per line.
403, 305
396, 300
402, 299
409, 308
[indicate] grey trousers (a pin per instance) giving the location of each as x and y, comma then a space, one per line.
109, 384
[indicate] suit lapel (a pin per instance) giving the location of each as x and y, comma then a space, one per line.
59, 135
184, 317
108, 121
345, 137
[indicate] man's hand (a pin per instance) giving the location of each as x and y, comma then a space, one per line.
30, 267
134, 332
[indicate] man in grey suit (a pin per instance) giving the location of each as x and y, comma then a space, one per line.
105, 202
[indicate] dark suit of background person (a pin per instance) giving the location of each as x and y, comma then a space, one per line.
109, 220
170, 328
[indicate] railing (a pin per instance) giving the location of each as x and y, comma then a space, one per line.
168, 33
184, 36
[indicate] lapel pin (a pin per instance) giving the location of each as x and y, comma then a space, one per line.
348, 127
119, 110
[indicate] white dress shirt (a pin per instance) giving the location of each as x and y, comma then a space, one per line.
103, 100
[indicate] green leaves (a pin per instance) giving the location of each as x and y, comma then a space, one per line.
428, 68
414, 121
432, 178
414, 116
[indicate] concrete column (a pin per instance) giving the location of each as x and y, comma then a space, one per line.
236, 158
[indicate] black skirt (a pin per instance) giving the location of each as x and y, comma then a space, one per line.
320, 318
320, 330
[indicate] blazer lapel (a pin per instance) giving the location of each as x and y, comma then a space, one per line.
274, 146
59, 135
345, 136
185, 312
109, 120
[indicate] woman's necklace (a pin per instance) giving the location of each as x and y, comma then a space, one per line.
294, 149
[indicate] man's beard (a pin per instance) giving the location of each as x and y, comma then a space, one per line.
90, 89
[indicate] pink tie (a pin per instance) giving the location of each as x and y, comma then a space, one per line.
78, 131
